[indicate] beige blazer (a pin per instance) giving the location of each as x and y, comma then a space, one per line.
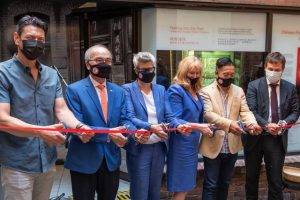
237, 109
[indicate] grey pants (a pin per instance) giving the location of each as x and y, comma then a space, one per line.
26, 186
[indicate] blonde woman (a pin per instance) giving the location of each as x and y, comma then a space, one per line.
188, 107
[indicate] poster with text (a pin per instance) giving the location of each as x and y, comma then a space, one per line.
210, 31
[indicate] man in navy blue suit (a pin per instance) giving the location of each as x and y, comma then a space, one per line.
94, 161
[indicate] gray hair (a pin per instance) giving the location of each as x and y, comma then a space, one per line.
89, 51
143, 57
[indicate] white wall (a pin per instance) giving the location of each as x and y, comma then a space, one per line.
286, 39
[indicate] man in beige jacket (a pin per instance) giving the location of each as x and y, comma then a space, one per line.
225, 104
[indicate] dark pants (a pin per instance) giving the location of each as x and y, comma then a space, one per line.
104, 182
217, 175
271, 149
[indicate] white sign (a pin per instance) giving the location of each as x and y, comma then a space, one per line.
286, 39
210, 30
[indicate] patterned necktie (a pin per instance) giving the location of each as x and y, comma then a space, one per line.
274, 104
103, 97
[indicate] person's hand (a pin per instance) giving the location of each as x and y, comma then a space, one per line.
53, 137
163, 135
282, 125
235, 128
117, 137
158, 130
273, 129
254, 129
184, 129
85, 136
142, 136
205, 129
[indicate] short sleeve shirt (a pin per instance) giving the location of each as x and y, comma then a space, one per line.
32, 102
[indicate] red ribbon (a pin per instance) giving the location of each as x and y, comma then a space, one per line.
73, 130
98, 131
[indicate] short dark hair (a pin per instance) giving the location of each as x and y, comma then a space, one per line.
224, 61
275, 57
31, 20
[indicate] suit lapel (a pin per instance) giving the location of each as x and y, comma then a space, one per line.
283, 95
230, 100
265, 95
111, 100
138, 92
94, 96
218, 97
197, 103
159, 102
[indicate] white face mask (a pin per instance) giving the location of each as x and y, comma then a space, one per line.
272, 76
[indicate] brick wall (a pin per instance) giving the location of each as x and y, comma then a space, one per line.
56, 10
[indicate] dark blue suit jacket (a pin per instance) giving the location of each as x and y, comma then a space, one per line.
83, 100
137, 111
258, 102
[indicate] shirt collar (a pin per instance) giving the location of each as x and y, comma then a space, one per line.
225, 92
268, 82
26, 68
95, 83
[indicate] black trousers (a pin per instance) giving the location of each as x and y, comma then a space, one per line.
217, 176
271, 149
104, 182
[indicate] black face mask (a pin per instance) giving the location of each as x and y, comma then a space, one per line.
101, 70
32, 49
193, 81
146, 77
225, 82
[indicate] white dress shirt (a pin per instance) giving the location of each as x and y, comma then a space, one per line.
152, 118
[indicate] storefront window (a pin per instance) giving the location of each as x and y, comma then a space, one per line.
248, 65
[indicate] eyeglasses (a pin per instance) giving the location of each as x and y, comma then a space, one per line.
152, 69
102, 60
30, 37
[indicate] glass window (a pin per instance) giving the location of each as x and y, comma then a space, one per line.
248, 65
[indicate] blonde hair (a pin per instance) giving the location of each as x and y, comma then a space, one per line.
184, 67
